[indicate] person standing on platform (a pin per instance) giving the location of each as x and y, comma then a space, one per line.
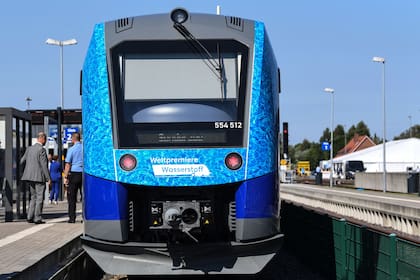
55, 171
36, 174
73, 173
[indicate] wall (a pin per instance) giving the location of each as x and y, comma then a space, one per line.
396, 182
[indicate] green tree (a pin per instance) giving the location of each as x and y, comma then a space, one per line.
339, 138
326, 136
351, 132
362, 129
312, 151
301, 150
376, 139
414, 131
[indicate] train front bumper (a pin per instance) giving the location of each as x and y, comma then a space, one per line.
162, 259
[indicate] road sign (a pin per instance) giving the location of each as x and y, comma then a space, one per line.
68, 131
53, 132
325, 146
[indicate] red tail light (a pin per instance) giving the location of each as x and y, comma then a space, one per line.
233, 161
128, 162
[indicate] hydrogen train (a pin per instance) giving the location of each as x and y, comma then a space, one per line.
180, 131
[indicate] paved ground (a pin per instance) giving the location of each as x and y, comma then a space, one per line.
23, 244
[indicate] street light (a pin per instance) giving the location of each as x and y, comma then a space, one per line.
409, 118
28, 101
61, 44
331, 90
382, 60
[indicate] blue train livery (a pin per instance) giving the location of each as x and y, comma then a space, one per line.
180, 134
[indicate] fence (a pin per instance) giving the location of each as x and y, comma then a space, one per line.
361, 253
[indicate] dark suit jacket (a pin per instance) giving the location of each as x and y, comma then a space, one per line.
36, 167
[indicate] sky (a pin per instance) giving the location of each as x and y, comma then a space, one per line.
318, 44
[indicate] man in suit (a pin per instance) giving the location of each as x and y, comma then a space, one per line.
36, 174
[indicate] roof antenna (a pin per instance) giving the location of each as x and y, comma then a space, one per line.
218, 10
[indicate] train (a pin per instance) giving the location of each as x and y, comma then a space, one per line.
180, 115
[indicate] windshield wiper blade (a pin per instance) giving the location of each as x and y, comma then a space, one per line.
216, 66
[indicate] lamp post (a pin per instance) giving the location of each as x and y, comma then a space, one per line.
28, 102
331, 91
382, 60
345, 140
409, 118
61, 44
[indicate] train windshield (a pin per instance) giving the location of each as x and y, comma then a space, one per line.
168, 94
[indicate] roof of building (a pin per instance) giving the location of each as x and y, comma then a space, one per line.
357, 143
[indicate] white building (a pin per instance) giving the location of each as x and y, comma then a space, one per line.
401, 155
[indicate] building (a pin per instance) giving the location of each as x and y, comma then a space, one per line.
401, 156
357, 143
15, 137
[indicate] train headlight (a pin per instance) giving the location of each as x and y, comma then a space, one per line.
179, 15
233, 161
128, 162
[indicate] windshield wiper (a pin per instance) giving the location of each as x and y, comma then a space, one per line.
215, 65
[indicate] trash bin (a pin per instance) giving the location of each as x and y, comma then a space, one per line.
318, 178
413, 182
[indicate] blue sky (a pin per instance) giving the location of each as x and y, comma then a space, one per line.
318, 44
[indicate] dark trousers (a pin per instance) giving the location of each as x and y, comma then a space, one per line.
75, 184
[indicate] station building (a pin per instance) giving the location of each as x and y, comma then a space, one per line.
17, 131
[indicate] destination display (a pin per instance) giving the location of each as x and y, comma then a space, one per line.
199, 137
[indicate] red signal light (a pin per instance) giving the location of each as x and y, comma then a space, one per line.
128, 162
233, 161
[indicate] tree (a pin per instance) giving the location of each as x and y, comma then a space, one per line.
339, 138
312, 151
362, 129
326, 136
414, 131
301, 150
376, 139
351, 132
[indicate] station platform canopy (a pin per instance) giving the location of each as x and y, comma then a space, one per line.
69, 116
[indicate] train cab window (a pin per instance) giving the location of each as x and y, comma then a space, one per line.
179, 98
192, 87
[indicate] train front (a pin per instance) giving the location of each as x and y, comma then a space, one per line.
180, 124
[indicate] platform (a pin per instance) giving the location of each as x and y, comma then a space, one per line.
395, 212
30, 249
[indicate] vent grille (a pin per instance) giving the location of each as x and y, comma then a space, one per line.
232, 216
123, 24
235, 23
131, 215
